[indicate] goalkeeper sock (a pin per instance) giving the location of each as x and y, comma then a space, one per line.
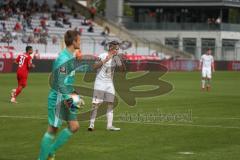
45, 145
62, 138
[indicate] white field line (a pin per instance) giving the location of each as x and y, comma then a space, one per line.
183, 125
22, 117
186, 153
129, 122
223, 118
215, 118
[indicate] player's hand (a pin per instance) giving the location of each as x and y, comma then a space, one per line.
121, 56
69, 104
81, 102
107, 58
33, 66
78, 54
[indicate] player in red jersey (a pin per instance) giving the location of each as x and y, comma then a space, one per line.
24, 62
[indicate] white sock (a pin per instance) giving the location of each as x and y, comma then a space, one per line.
203, 83
109, 116
93, 115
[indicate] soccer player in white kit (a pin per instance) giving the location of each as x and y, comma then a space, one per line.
103, 88
207, 66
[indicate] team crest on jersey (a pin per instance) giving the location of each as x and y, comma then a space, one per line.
62, 70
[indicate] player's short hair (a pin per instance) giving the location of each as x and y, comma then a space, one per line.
28, 48
70, 36
113, 45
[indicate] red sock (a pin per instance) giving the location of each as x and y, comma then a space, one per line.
18, 91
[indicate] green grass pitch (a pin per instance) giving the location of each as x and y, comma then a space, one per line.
211, 130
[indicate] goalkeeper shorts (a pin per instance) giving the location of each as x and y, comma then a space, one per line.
57, 112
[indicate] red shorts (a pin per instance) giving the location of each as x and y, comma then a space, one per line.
22, 79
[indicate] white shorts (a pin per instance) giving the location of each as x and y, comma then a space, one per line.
206, 72
103, 92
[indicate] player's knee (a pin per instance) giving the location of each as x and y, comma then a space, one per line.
74, 127
110, 105
95, 106
110, 108
52, 130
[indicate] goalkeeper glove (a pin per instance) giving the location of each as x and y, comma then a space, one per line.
70, 105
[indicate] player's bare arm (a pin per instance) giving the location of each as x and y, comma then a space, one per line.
99, 62
16, 61
119, 61
31, 65
213, 67
122, 68
200, 65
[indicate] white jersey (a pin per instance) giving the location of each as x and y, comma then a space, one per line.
207, 61
106, 72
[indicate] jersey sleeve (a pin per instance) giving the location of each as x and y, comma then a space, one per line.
18, 58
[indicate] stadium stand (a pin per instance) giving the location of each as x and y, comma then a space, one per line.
44, 30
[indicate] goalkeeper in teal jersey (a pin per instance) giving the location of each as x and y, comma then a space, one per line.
60, 104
